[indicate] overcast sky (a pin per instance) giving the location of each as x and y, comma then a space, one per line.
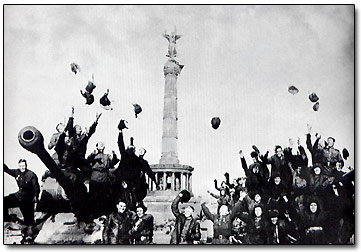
239, 62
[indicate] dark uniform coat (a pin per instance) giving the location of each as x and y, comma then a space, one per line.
24, 198
117, 228
192, 234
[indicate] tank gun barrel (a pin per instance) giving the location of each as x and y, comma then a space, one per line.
32, 140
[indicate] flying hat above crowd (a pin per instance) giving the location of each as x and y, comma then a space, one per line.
137, 109
216, 121
74, 68
293, 90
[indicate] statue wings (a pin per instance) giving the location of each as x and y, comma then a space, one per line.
166, 36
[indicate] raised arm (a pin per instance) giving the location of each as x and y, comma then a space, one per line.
263, 158
146, 168
207, 213
11, 172
264, 169
308, 138
60, 145
309, 143
121, 143
236, 210
267, 160
114, 159
93, 127
70, 125
302, 151
315, 145
226, 175
244, 164
53, 140
288, 155
303, 155
175, 204
214, 195
216, 185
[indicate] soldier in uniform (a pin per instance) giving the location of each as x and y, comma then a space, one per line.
142, 230
99, 185
118, 225
187, 229
27, 195
332, 156
222, 222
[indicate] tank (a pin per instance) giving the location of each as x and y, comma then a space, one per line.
70, 221
32, 140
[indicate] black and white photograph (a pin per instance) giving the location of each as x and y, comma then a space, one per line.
179, 124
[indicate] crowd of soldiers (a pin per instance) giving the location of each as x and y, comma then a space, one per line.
290, 203
115, 192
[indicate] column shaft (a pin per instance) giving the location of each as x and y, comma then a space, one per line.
186, 181
164, 181
190, 182
173, 182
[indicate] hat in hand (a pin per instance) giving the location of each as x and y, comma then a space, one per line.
345, 153
255, 149
186, 196
122, 125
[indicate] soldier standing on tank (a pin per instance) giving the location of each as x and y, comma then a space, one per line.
71, 149
129, 169
142, 185
99, 185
